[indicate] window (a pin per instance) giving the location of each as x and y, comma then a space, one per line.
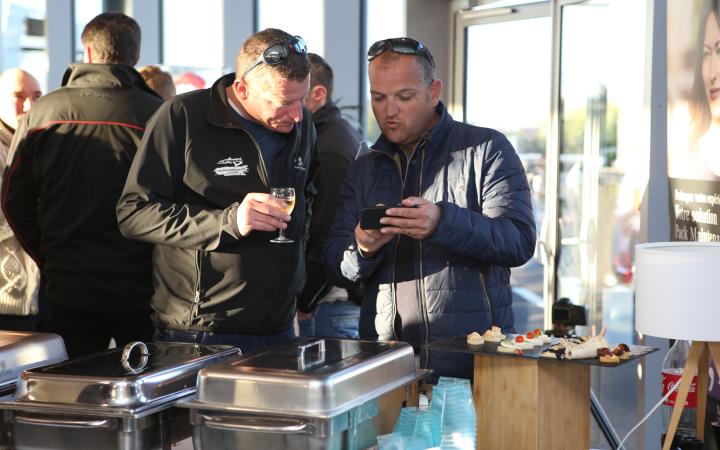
602, 175
193, 42
85, 11
305, 19
514, 97
23, 37
384, 19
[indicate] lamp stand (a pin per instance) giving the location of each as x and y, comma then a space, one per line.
700, 352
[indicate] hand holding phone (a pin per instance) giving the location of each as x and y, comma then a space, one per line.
370, 216
416, 218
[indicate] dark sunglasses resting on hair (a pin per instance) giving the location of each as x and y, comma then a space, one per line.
278, 52
403, 45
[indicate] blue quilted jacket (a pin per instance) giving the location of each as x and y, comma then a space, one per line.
463, 270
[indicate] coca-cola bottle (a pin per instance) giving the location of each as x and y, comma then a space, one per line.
672, 369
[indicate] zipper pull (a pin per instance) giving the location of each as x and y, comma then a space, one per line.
197, 297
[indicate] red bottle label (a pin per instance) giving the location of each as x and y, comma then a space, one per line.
670, 380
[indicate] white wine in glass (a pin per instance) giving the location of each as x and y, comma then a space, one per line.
288, 196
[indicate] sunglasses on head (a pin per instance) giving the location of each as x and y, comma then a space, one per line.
278, 52
403, 45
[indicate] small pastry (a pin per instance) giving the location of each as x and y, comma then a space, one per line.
606, 356
521, 343
622, 351
542, 336
493, 335
589, 348
474, 338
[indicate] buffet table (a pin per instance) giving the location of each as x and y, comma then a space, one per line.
528, 401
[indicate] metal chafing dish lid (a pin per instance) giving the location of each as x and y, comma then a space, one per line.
125, 380
20, 350
316, 378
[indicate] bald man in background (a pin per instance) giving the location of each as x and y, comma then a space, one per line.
20, 305
18, 91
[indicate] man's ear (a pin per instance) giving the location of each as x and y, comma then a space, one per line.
87, 54
240, 89
318, 94
435, 91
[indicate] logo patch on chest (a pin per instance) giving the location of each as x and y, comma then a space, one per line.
231, 167
299, 163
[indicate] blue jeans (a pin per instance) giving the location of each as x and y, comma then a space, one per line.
247, 343
337, 319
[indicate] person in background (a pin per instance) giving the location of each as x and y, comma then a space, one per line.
159, 81
199, 189
439, 266
68, 162
20, 298
188, 81
325, 309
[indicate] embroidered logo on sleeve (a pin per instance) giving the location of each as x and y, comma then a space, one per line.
233, 167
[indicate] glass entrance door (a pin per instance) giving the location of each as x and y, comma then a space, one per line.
562, 69
602, 159
602, 173
505, 85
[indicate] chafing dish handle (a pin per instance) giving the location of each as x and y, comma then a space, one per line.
320, 343
65, 423
125, 357
258, 424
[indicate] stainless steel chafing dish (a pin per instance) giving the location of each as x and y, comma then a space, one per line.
314, 394
117, 399
20, 350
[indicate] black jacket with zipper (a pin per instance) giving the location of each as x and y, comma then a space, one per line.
194, 166
69, 160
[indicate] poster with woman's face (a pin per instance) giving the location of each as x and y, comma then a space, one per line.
693, 59
693, 79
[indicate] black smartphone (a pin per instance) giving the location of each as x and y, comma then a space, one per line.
370, 216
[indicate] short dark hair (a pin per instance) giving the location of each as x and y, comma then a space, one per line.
113, 38
425, 60
296, 67
321, 73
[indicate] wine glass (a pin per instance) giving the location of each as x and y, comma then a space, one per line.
288, 196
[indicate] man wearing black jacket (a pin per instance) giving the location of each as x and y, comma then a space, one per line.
325, 309
199, 190
69, 160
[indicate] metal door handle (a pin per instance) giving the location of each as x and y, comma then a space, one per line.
257, 424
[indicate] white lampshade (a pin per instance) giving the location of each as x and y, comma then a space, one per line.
677, 290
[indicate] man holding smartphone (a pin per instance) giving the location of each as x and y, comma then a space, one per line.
199, 189
439, 265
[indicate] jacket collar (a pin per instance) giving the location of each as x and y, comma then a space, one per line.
104, 75
220, 112
329, 112
437, 133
